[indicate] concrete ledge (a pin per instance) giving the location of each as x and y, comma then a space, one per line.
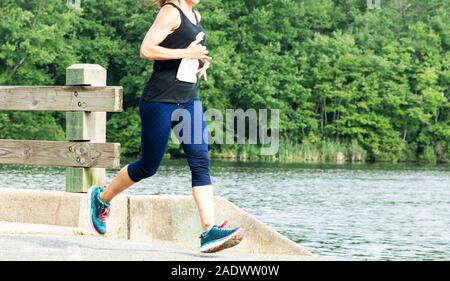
260, 238
171, 219
58, 208
175, 219
39, 207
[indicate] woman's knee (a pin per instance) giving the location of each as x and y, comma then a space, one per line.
138, 171
199, 164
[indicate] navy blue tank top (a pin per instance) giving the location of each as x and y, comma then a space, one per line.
163, 85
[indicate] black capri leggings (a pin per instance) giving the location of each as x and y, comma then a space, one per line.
157, 120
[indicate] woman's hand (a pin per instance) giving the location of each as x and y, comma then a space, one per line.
205, 64
197, 51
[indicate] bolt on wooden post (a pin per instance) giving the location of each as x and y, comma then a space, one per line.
85, 126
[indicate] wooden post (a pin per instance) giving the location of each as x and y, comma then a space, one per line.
85, 126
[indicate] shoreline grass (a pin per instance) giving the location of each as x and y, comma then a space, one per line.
323, 152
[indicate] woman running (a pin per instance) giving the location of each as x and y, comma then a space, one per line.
176, 42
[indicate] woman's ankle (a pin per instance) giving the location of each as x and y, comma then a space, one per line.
207, 227
102, 197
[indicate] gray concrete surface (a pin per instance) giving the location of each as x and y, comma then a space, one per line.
172, 219
20, 242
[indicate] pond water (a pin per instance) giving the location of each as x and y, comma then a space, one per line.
369, 211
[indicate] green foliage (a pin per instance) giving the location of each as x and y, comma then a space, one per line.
125, 128
33, 48
30, 126
369, 84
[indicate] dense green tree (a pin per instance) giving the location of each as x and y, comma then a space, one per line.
374, 81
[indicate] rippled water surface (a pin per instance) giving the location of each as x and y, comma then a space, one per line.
381, 212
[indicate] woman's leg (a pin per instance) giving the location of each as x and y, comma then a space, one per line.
204, 198
155, 131
214, 238
198, 159
121, 182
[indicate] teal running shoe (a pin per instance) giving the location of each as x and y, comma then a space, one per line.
98, 211
219, 238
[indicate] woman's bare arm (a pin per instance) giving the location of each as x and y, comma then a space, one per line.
167, 20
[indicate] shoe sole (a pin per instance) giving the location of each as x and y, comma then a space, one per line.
230, 241
89, 196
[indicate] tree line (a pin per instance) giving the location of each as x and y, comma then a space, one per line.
349, 81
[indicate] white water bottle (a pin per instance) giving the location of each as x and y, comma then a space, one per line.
187, 71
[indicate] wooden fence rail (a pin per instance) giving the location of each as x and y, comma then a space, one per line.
61, 98
85, 99
60, 153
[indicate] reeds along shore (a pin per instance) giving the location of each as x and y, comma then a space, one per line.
324, 152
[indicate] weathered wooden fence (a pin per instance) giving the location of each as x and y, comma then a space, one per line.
85, 99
